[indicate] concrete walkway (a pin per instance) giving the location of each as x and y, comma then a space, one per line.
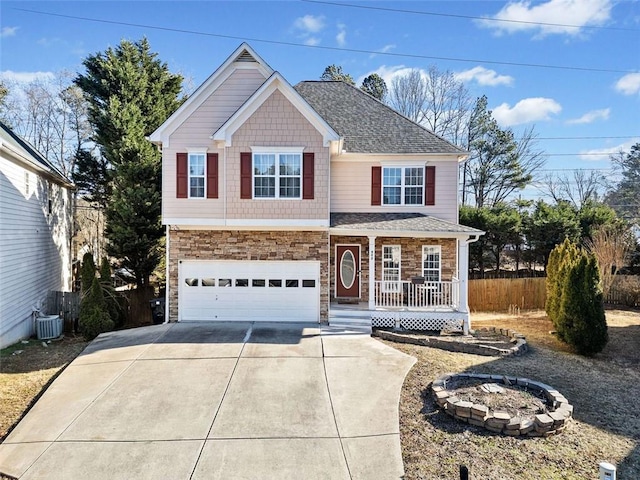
218, 401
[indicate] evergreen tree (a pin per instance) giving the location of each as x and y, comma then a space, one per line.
625, 197
87, 272
335, 73
560, 259
582, 317
130, 93
375, 86
94, 318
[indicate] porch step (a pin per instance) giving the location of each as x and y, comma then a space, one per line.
351, 320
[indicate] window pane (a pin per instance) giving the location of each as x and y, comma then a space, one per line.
308, 283
391, 195
196, 164
290, 164
431, 263
192, 282
257, 283
208, 282
391, 263
224, 282
413, 176
264, 164
265, 187
196, 187
292, 283
290, 187
242, 282
392, 176
275, 283
413, 196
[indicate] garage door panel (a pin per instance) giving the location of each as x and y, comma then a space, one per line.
259, 290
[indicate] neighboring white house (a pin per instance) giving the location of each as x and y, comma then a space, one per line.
36, 206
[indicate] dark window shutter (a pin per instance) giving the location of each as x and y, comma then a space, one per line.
212, 175
182, 175
308, 175
376, 185
430, 186
245, 175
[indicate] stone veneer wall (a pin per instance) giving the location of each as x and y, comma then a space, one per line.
247, 245
411, 258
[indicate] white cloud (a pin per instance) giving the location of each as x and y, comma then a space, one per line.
591, 117
483, 76
310, 24
312, 41
563, 12
341, 37
629, 84
8, 32
526, 110
388, 73
387, 48
598, 154
25, 77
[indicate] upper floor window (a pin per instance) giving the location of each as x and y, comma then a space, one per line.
403, 186
277, 175
197, 175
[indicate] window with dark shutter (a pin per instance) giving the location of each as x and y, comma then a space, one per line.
376, 185
212, 175
308, 176
430, 186
245, 175
182, 175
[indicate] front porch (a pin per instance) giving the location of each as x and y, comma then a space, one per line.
399, 271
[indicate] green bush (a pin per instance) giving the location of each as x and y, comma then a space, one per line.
111, 297
94, 317
574, 299
582, 319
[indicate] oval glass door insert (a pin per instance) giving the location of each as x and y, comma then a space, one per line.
347, 269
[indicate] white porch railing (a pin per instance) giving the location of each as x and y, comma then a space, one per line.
409, 295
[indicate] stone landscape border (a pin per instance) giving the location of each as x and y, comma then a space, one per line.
559, 413
519, 342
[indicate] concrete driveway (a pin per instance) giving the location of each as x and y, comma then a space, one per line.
218, 401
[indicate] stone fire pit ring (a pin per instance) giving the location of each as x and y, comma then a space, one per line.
558, 409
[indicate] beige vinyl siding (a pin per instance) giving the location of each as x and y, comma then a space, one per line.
277, 123
195, 132
351, 188
35, 251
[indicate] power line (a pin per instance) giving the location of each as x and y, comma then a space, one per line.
470, 17
322, 47
586, 138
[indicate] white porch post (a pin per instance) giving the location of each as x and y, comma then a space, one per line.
372, 273
463, 277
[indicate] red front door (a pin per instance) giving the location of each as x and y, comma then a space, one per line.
348, 271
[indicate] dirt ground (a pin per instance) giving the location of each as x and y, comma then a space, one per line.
603, 390
26, 369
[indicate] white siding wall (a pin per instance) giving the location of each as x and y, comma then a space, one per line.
34, 247
351, 188
195, 132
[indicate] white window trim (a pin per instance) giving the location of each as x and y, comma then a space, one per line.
439, 249
402, 186
385, 286
276, 151
196, 152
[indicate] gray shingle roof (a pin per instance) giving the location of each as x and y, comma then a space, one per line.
397, 222
367, 125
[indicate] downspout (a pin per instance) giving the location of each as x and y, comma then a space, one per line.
166, 274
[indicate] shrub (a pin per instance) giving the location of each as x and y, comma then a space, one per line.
94, 317
111, 297
581, 322
557, 270
87, 272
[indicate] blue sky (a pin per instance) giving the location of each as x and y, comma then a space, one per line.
597, 42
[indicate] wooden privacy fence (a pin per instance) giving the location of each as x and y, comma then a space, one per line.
65, 303
504, 294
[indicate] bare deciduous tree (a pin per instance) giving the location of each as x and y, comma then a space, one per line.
579, 187
52, 115
611, 246
434, 99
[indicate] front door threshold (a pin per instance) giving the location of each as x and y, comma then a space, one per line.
347, 301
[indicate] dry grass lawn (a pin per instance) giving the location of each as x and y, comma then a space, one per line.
604, 391
26, 370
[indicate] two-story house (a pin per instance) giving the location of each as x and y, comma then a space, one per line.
309, 203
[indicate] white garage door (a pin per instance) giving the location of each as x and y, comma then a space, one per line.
249, 291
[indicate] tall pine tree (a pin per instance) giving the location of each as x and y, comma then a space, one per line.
130, 93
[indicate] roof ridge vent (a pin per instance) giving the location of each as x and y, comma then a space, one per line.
245, 56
